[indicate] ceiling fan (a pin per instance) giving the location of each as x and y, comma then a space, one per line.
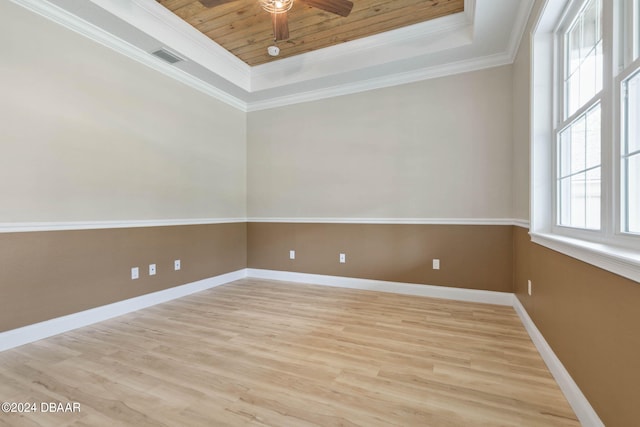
279, 8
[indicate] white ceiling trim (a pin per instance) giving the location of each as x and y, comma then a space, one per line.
180, 37
386, 81
519, 27
162, 24
424, 38
92, 32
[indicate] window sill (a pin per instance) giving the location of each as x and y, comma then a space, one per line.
621, 261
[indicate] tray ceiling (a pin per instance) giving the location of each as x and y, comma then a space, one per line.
485, 34
245, 30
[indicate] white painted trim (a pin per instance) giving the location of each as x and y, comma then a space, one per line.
92, 32
622, 261
426, 221
519, 26
38, 331
613, 252
21, 227
474, 64
521, 223
579, 403
425, 38
458, 294
15, 227
166, 26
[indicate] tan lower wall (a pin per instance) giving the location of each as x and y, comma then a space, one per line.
477, 257
591, 319
44, 275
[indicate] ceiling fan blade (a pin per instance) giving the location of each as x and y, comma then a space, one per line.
214, 3
339, 7
280, 26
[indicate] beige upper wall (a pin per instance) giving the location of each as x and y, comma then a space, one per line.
88, 134
522, 119
439, 148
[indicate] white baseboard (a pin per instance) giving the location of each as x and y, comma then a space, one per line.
578, 402
459, 294
38, 331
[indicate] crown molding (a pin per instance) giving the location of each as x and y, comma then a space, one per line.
460, 67
445, 33
169, 29
98, 35
519, 27
162, 25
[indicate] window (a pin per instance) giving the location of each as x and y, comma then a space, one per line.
578, 136
585, 132
631, 154
630, 122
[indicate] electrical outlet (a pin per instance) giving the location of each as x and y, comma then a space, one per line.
529, 290
152, 269
135, 273
176, 265
343, 258
436, 264
292, 254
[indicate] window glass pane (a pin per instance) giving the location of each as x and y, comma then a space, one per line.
587, 78
631, 155
636, 30
564, 201
579, 168
593, 138
573, 92
598, 67
633, 114
574, 44
590, 27
633, 194
592, 198
578, 160
577, 200
565, 153
583, 58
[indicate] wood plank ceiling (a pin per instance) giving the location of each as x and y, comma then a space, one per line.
245, 30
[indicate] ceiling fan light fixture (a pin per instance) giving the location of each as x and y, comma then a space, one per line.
273, 50
276, 6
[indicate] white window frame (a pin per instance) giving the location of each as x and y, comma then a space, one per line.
609, 248
632, 69
569, 15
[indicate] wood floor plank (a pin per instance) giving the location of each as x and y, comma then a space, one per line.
267, 353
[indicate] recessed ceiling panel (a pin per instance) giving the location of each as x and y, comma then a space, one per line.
245, 29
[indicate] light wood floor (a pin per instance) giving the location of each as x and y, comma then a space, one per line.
257, 352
